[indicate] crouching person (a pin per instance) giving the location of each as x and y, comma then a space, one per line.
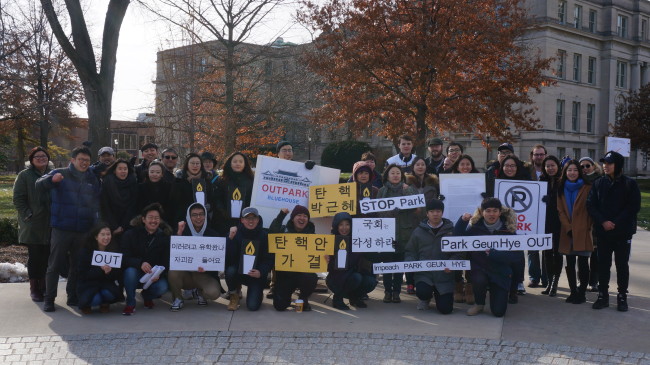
207, 284
144, 247
96, 285
250, 239
287, 282
425, 244
354, 282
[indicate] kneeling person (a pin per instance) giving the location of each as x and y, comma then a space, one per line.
425, 244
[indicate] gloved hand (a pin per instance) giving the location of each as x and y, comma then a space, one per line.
309, 164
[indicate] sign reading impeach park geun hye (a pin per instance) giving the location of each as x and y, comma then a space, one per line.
386, 204
415, 266
531, 242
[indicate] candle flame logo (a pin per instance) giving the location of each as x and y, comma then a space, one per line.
199, 187
250, 248
342, 245
236, 195
366, 193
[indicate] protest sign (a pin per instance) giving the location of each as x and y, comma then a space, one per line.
188, 253
385, 204
301, 252
617, 144
462, 193
533, 242
327, 200
249, 249
525, 199
373, 234
112, 259
415, 266
341, 251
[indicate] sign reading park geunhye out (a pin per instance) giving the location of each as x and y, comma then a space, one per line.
533, 242
525, 199
386, 204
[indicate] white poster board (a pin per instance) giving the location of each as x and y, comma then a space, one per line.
462, 193
525, 199
386, 204
416, 266
284, 184
188, 253
373, 234
112, 259
533, 242
617, 144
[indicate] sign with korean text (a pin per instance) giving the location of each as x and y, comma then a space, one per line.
327, 200
301, 252
112, 259
416, 266
531, 242
525, 199
188, 253
373, 234
386, 204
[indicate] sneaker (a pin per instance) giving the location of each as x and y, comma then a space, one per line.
200, 300
86, 310
594, 289
72, 302
512, 297
105, 308
533, 284
176, 305
423, 305
476, 309
234, 301
129, 310
269, 295
148, 304
48, 306
410, 289
189, 294
601, 302
621, 302
520, 289
358, 303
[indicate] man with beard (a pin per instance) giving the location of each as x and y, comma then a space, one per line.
435, 161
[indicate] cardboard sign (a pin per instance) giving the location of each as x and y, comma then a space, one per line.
188, 253
617, 144
327, 200
341, 252
416, 266
198, 187
236, 202
373, 234
112, 259
462, 193
525, 199
301, 252
532, 242
386, 204
249, 250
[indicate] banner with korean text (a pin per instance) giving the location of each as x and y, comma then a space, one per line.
301, 252
373, 234
327, 200
188, 253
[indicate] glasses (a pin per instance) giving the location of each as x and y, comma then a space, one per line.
586, 166
286, 150
505, 153
197, 215
40, 156
454, 150
168, 157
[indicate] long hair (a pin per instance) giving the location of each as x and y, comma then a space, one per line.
552, 180
563, 178
520, 167
186, 164
454, 167
91, 241
384, 177
228, 173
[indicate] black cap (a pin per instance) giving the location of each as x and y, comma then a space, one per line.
613, 157
506, 146
435, 142
148, 145
435, 204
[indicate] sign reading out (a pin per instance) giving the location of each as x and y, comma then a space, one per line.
112, 259
415, 266
301, 252
373, 234
327, 200
188, 253
531, 242
525, 199
386, 204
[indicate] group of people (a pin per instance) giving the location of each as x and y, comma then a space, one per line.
115, 205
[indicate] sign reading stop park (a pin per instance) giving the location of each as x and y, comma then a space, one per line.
525, 199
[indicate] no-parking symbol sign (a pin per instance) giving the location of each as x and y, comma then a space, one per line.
525, 199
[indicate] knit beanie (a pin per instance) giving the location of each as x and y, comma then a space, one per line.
299, 209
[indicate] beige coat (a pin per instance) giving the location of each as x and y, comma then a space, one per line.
579, 223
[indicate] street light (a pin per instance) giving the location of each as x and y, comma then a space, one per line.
309, 147
115, 141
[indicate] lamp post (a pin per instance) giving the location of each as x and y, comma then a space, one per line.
308, 147
115, 141
487, 150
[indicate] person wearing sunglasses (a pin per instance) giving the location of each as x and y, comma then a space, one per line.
169, 160
590, 172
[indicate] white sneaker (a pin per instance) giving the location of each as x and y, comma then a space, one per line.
521, 289
188, 294
176, 305
423, 305
200, 300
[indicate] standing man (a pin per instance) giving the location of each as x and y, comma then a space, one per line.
74, 210
537, 156
613, 203
404, 159
284, 150
169, 159
435, 160
105, 159
535, 272
454, 150
492, 173
149, 153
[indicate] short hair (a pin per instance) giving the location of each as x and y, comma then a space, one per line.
151, 207
452, 143
32, 153
169, 150
368, 156
538, 146
80, 149
406, 137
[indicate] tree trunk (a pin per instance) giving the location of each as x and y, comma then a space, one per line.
230, 129
421, 130
20, 149
99, 117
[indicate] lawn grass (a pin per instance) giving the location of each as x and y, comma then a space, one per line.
7, 209
644, 215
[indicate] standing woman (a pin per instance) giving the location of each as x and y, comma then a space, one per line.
34, 219
405, 222
575, 234
96, 286
192, 185
234, 191
464, 165
590, 172
155, 189
552, 258
118, 197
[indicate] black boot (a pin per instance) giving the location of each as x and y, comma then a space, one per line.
621, 302
547, 291
34, 291
338, 303
556, 281
602, 301
355, 300
48, 306
571, 278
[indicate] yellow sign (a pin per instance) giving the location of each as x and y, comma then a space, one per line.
301, 252
250, 248
327, 200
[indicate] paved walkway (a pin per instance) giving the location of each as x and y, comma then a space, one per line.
537, 330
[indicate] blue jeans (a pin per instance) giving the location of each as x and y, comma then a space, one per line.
444, 303
132, 282
536, 272
255, 286
104, 296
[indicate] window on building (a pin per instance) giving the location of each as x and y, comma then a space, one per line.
644, 30
576, 153
174, 69
591, 153
577, 70
591, 71
561, 11
621, 74
125, 141
561, 152
142, 140
268, 68
561, 64
559, 114
203, 64
592, 21
577, 17
621, 26
575, 116
591, 114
